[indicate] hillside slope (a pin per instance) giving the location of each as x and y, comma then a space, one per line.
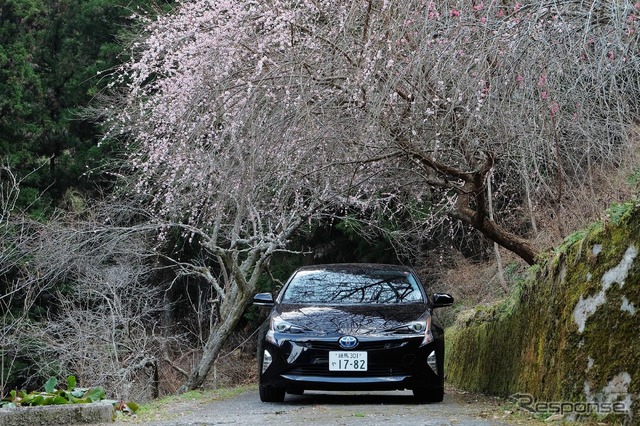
569, 332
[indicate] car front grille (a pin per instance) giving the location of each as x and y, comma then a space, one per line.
362, 346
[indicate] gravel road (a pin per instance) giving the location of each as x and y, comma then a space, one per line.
338, 408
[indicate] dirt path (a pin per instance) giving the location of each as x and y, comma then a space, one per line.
380, 408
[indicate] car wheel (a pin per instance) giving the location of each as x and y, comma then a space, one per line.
271, 394
429, 395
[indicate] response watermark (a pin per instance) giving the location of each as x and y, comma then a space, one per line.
528, 403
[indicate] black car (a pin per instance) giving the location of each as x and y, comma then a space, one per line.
352, 327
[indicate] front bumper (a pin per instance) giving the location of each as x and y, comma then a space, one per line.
394, 363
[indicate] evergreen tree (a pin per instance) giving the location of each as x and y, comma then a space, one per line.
53, 57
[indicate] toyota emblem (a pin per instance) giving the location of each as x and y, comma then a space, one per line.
348, 342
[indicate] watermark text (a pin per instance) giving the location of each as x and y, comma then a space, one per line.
528, 402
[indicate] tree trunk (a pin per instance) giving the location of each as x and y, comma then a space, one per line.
473, 189
217, 338
494, 232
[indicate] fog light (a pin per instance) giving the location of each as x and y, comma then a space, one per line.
266, 361
431, 360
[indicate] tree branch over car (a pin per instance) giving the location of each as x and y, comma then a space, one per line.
244, 120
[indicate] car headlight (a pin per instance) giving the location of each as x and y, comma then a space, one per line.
428, 336
417, 326
423, 328
278, 325
420, 327
286, 327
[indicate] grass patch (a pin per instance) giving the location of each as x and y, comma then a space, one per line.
171, 406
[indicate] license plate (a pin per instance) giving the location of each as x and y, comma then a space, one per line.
347, 361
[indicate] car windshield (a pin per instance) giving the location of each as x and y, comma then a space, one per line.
352, 287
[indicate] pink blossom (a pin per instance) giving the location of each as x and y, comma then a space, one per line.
543, 95
517, 7
611, 55
637, 6
500, 13
478, 6
554, 109
542, 80
455, 13
520, 79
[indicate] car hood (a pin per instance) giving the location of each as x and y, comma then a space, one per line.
351, 319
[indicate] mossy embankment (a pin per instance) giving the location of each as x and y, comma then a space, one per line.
570, 331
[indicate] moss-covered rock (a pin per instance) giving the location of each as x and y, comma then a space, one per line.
570, 331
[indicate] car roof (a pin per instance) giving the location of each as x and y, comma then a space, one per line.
355, 267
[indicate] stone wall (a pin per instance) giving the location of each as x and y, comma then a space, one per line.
569, 332
71, 414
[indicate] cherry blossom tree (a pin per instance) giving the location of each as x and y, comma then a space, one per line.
230, 161
246, 119
539, 93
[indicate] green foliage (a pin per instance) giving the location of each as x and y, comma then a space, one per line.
348, 243
53, 57
71, 395
54, 396
634, 180
571, 240
619, 211
50, 386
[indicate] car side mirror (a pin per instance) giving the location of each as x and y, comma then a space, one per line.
264, 299
442, 299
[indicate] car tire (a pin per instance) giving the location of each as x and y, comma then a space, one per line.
271, 394
429, 395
